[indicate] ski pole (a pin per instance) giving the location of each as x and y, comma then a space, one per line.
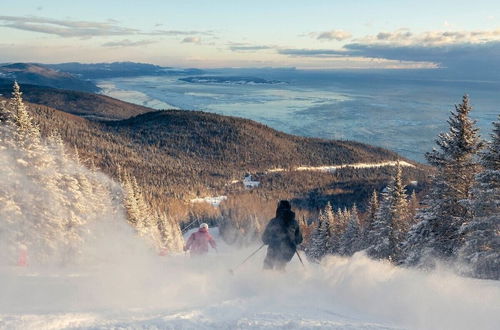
298, 255
253, 253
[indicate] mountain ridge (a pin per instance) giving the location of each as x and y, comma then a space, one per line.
42, 75
80, 103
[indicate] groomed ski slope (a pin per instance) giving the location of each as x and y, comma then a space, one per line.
129, 288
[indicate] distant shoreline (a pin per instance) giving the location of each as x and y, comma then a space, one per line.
400, 113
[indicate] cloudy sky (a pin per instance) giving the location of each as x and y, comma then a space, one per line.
219, 33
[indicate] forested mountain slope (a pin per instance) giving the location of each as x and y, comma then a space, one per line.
38, 74
184, 154
93, 106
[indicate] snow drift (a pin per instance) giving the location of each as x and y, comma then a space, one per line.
129, 287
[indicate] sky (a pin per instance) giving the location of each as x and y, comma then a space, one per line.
313, 34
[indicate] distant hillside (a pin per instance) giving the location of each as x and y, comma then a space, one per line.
183, 154
241, 142
93, 106
119, 69
36, 74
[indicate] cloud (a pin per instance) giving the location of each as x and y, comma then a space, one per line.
470, 52
191, 40
312, 52
178, 33
404, 37
83, 29
65, 28
466, 56
338, 35
246, 47
128, 43
475, 52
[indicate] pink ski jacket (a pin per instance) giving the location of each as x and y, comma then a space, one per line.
198, 242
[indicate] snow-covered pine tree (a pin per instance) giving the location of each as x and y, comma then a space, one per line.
38, 165
154, 226
373, 205
350, 241
391, 220
5, 114
413, 206
307, 230
176, 234
27, 132
43, 206
416, 248
400, 212
480, 249
346, 214
144, 223
332, 240
129, 200
381, 241
341, 219
317, 248
437, 233
166, 237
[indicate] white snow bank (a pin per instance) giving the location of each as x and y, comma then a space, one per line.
213, 200
333, 168
356, 165
134, 289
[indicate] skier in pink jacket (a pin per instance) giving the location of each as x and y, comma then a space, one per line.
198, 241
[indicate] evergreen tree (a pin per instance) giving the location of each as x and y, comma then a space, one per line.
130, 201
480, 248
350, 241
319, 238
391, 220
166, 235
413, 206
154, 226
144, 222
5, 113
400, 213
373, 205
27, 132
369, 223
49, 198
381, 240
306, 230
332, 240
437, 233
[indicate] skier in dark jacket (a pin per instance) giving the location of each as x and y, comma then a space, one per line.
282, 234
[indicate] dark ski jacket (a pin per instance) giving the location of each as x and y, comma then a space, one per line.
282, 234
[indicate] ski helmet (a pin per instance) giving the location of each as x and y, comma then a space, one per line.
204, 225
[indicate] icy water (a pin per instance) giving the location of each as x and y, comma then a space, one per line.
399, 110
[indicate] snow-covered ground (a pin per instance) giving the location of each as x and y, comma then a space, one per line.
214, 201
333, 168
127, 287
